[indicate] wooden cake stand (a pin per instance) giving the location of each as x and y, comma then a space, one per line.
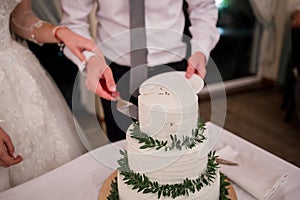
105, 189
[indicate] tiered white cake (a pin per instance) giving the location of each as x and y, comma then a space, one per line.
167, 111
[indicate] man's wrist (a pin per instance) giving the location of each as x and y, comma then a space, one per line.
88, 55
196, 48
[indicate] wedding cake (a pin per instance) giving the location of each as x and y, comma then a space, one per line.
167, 154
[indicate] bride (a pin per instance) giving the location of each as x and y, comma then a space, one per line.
32, 110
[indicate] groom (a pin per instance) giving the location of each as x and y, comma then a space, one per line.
114, 18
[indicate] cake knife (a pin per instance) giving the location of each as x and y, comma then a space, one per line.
127, 108
123, 106
226, 162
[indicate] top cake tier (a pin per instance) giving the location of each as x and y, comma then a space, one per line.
167, 107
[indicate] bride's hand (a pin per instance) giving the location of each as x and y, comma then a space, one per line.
96, 66
7, 155
76, 43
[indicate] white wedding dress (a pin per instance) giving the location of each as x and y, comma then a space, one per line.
32, 111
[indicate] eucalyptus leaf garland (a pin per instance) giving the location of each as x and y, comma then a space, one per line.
186, 142
141, 183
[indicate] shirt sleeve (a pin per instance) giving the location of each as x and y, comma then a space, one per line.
75, 16
203, 15
81, 65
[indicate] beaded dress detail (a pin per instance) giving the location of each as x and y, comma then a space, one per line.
32, 111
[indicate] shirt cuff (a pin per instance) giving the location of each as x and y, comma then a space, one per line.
81, 65
195, 47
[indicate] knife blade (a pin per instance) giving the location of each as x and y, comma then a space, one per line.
226, 162
125, 107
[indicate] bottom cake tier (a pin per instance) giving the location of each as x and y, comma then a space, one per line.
137, 186
109, 189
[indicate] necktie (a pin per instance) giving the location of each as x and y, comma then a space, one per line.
138, 51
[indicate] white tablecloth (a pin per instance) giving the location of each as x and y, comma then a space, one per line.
82, 178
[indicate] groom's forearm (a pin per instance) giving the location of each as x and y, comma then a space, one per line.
81, 65
75, 16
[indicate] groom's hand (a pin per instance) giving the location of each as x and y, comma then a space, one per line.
98, 69
196, 65
7, 154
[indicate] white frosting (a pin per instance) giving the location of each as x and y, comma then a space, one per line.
168, 108
166, 167
162, 113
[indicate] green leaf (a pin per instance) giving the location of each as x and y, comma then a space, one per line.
143, 184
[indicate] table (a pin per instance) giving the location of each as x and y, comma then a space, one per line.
82, 177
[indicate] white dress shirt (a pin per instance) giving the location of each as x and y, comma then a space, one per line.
164, 20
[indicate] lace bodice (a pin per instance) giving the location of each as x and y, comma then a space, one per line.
6, 7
